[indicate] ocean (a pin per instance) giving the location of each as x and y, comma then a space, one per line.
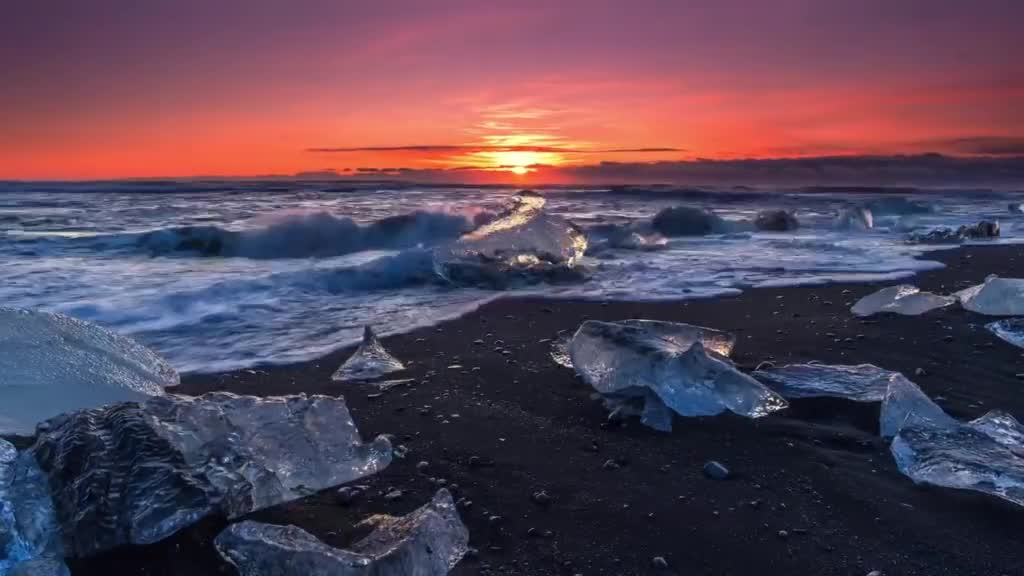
221, 275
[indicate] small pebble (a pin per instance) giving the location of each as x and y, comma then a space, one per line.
393, 495
659, 562
542, 498
611, 465
716, 470
421, 466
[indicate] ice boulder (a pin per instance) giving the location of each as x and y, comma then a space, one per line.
1015, 208
776, 221
131, 473
51, 363
687, 221
983, 229
861, 383
661, 364
903, 299
995, 297
429, 541
1010, 330
985, 455
369, 361
522, 245
28, 525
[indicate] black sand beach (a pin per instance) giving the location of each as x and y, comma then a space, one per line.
814, 490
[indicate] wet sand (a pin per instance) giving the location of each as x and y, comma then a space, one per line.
814, 490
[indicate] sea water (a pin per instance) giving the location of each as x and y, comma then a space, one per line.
223, 275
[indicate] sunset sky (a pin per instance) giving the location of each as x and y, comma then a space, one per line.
118, 88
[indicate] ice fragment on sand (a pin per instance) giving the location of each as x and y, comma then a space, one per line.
370, 360
995, 297
28, 527
906, 405
524, 244
429, 541
658, 363
136, 473
929, 446
902, 299
51, 363
1010, 330
861, 383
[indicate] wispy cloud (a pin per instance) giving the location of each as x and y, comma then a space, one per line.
469, 148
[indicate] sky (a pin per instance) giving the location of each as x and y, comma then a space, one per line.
497, 91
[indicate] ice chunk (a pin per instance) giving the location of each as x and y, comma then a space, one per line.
776, 221
51, 363
861, 383
524, 244
983, 229
678, 333
28, 526
906, 405
687, 221
626, 359
429, 541
902, 299
1010, 330
133, 473
996, 297
369, 361
985, 455
856, 218
1015, 208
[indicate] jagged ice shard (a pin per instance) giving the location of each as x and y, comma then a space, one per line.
985, 455
522, 245
661, 365
902, 299
995, 297
369, 361
429, 541
133, 473
51, 364
1011, 330
861, 383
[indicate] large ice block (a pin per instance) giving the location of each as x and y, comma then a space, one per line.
861, 383
524, 244
369, 361
903, 299
51, 363
985, 454
429, 541
628, 359
133, 473
995, 297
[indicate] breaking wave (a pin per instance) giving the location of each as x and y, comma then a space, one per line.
314, 235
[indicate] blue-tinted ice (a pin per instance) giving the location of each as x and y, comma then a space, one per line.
902, 299
995, 297
985, 454
51, 364
429, 541
862, 383
1010, 330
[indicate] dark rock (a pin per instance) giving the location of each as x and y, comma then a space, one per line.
776, 221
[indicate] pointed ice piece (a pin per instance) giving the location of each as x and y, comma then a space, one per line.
907, 405
861, 383
369, 361
430, 541
902, 299
996, 297
51, 364
627, 358
523, 244
136, 473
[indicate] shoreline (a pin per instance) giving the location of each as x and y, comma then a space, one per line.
815, 491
